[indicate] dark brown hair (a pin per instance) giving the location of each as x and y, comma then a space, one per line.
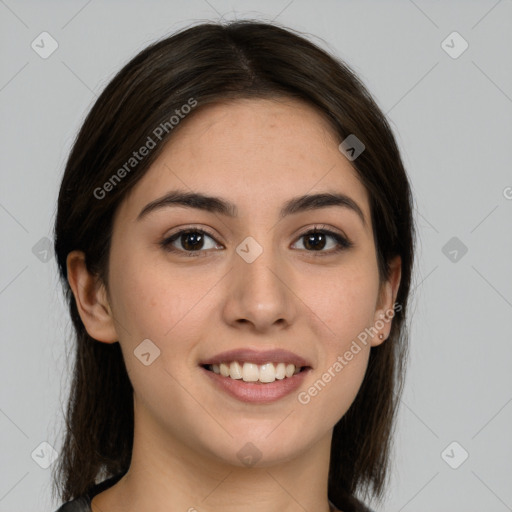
208, 63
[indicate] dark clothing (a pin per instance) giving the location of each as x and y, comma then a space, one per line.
83, 503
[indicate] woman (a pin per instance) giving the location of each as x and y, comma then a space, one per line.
235, 237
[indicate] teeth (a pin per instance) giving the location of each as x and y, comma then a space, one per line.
235, 371
290, 369
267, 373
250, 372
224, 370
280, 371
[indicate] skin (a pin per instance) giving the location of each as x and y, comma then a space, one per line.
257, 154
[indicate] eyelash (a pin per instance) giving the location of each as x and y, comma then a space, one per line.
342, 242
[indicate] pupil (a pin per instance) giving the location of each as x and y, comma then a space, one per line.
197, 237
311, 243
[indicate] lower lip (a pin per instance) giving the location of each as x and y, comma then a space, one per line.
255, 392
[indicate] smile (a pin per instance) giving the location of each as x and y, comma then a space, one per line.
251, 372
256, 391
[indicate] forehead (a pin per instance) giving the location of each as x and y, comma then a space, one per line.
254, 152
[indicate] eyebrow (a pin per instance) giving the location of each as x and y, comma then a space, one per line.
223, 207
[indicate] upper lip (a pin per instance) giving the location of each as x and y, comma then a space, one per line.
257, 357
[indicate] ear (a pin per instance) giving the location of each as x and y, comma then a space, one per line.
91, 299
387, 295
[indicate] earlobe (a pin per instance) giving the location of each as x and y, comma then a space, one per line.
91, 299
387, 297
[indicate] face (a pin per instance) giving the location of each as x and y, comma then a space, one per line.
255, 281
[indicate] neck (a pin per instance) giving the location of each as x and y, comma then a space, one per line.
164, 473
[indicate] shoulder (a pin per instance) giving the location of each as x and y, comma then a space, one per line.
82, 504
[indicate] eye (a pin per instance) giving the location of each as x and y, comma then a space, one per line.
191, 241
316, 239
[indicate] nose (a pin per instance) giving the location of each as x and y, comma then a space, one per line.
260, 293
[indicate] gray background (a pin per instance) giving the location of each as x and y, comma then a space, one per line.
452, 119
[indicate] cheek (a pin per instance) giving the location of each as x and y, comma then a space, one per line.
153, 304
345, 305
167, 306
148, 299
345, 309
338, 378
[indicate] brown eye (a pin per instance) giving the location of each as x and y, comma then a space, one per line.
316, 240
190, 240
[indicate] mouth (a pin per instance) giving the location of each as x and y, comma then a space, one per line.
257, 377
249, 372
